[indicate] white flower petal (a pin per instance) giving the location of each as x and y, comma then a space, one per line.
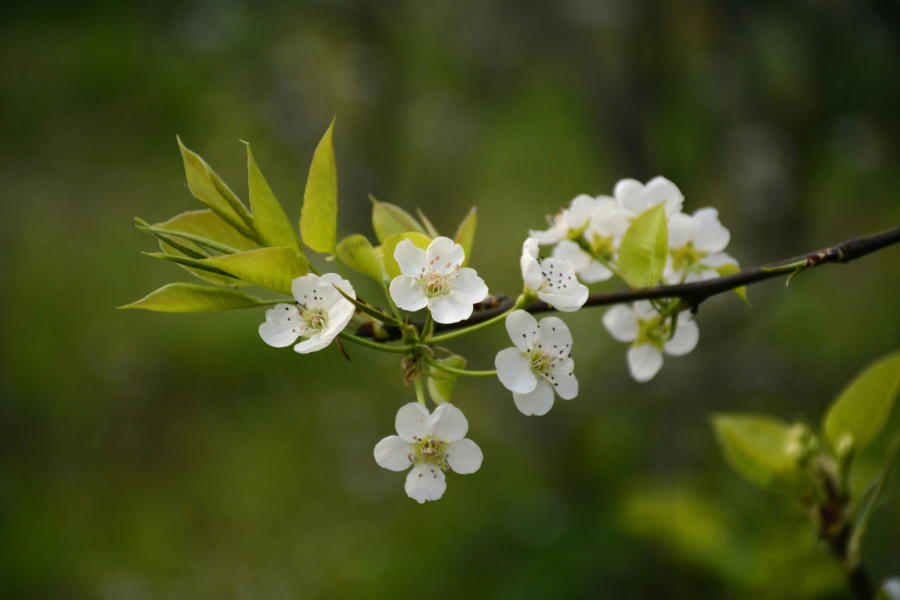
393, 453
531, 272
450, 308
464, 457
659, 190
413, 422
551, 236
336, 280
629, 194
594, 272
514, 371
538, 402
685, 339
314, 343
572, 252
608, 219
710, 235
579, 212
448, 423
531, 248
522, 329
439, 251
425, 482
408, 294
621, 323
410, 258
564, 382
282, 326
555, 336
567, 302
470, 284
681, 230
644, 362
645, 310
306, 290
718, 260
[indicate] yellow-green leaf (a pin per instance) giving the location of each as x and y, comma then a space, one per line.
318, 222
731, 269
389, 219
269, 268
759, 448
861, 411
390, 244
190, 298
645, 248
272, 224
465, 235
208, 188
430, 229
440, 383
356, 252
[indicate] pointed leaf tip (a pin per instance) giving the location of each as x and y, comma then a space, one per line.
318, 221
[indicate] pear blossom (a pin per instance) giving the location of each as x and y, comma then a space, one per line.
539, 365
553, 279
696, 245
891, 588
430, 443
320, 314
635, 198
568, 223
433, 278
649, 335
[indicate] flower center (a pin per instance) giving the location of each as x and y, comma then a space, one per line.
429, 451
316, 319
686, 258
603, 245
555, 281
437, 284
655, 331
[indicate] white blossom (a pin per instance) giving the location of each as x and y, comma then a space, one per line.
567, 223
321, 315
553, 279
433, 278
649, 335
430, 444
635, 198
891, 588
539, 365
696, 247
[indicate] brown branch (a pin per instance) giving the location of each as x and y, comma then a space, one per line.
695, 293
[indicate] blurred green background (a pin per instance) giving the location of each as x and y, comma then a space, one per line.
152, 456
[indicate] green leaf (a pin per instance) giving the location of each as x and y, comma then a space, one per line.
390, 244
389, 219
861, 411
189, 262
189, 298
430, 229
759, 448
318, 221
440, 383
207, 246
372, 312
731, 269
465, 235
357, 253
209, 189
269, 268
644, 249
272, 224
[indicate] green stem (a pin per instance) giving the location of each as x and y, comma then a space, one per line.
596, 256
455, 371
274, 302
387, 294
340, 266
428, 329
374, 345
420, 393
520, 302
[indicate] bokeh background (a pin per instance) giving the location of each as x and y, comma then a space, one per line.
152, 456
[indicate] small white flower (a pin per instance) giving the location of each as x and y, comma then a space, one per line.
891, 588
696, 244
539, 364
433, 278
430, 443
567, 223
322, 314
587, 269
649, 335
553, 279
636, 198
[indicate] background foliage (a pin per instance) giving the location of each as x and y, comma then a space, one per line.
177, 456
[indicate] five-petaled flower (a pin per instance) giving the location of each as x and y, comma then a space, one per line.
433, 278
635, 198
430, 443
650, 335
553, 279
696, 245
539, 364
321, 315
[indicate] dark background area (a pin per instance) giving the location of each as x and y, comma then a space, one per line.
147, 456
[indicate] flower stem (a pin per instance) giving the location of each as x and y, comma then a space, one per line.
520, 303
373, 345
420, 393
340, 266
596, 256
274, 302
428, 329
455, 371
